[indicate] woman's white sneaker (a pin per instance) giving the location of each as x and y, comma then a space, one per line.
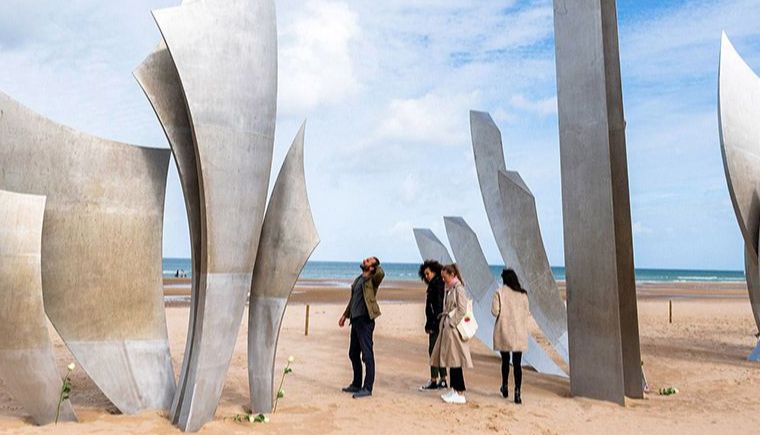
447, 395
455, 398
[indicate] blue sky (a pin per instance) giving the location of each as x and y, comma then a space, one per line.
386, 88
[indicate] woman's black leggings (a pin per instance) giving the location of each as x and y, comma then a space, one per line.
456, 376
517, 362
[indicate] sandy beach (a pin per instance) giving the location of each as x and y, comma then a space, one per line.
702, 353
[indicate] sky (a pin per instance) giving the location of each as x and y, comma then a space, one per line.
386, 88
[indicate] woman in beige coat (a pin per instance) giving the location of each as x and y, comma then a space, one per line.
450, 350
510, 334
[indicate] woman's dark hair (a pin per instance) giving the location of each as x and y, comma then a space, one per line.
509, 278
434, 267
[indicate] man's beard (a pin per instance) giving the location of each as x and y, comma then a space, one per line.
363, 267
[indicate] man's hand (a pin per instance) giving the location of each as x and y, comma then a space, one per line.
342, 321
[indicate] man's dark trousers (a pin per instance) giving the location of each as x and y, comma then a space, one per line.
360, 349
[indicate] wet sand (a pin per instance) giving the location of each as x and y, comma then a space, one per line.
703, 353
335, 290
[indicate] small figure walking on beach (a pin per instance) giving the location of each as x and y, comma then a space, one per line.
362, 310
510, 334
450, 349
430, 273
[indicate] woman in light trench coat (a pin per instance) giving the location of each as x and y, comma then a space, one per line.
510, 334
450, 350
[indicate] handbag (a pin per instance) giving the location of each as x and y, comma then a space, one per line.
468, 326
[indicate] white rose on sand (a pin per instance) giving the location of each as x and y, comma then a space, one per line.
71, 367
291, 359
266, 419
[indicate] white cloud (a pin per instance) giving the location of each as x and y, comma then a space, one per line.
639, 229
401, 229
542, 107
432, 119
316, 66
682, 43
410, 189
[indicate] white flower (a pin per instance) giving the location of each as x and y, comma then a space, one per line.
291, 359
266, 419
71, 367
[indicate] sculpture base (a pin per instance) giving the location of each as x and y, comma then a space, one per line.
537, 358
135, 375
32, 378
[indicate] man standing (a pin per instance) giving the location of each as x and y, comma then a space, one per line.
362, 310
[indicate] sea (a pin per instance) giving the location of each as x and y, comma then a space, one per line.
341, 270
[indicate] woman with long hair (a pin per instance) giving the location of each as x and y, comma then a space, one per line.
450, 350
510, 334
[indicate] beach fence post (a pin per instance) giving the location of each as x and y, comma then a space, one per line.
306, 327
670, 311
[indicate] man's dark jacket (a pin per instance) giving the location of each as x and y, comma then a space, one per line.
433, 303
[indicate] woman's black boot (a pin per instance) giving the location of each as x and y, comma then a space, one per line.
518, 399
504, 391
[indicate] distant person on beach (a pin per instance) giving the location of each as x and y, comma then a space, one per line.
430, 273
362, 310
450, 350
510, 334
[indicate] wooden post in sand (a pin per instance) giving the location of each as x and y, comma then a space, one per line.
306, 327
670, 311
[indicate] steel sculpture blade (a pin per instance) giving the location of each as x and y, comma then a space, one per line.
225, 53
546, 304
288, 238
482, 285
431, 247
101, 250
738, 115
159, 79
605, 358
27, 361
525, 237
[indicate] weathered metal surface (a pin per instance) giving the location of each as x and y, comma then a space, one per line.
430, 246
288, 238
226, 56
601, 294
738, 117
524, 231
481, 284
27, 362
507, 222
101, 250
159, 79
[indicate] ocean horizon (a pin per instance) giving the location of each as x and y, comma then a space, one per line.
408, 272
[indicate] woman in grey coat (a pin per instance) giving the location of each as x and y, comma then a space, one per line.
450, 350
510, 334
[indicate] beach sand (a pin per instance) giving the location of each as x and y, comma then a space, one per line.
703, 353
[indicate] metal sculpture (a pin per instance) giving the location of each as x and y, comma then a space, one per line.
605, 359
27, 362
430, 246
231, 105
482, 285
521, 219
738, 114
288, 238
508, 222
101, 250
159, 79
